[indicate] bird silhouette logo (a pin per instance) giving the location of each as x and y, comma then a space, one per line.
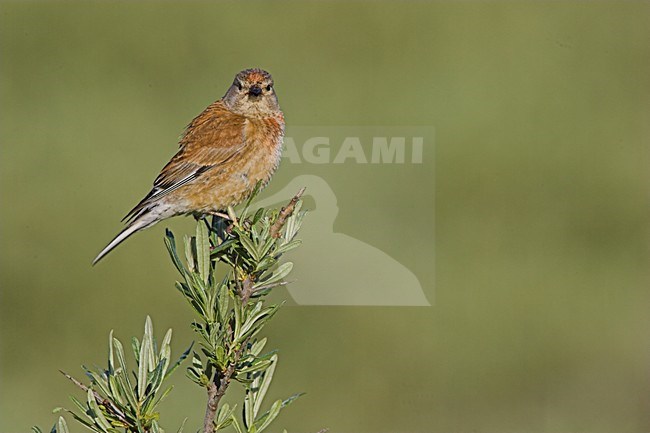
338, 269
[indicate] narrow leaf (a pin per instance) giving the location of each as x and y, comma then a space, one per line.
235, 424
61, 426
98, 416
143, 369
182, 358
170, 242
111, 362
223, 418
288, 246
266, 382
268, 417
281, 272
257, 347
249, 417
203, 250
249, 246
135, 345
180, 429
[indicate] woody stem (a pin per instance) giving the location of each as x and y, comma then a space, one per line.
219, 384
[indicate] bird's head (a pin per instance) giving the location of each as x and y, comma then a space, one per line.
252, 94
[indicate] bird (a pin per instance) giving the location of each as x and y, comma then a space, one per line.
224, 152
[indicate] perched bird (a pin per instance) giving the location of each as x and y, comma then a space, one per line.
223, 153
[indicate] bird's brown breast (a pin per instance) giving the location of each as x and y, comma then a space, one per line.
230, 182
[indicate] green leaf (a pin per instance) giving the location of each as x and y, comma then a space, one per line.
148, 343
258, 346
261, 365
266, 247
123, 383
203, 250
145, 364
165, 346
266, 419
249, 246
265, 263
100, 382
162, 396
111, 362
237, 309
288, 246
235, 424
258, 322
294, 222
116, 390
287, 401
170, 242
119, 351
196, 362
265, 383
282, 271
223, 301
135, 345
96, 414
61, 426
165, 352
258, 215
194, 375
253, 316
220, 354
180, 429
256, 189
189, 242
79, 405
88, 425
222, 247
249, 416
155, 379
223, 418
266, 229
182, 358
195, 372
192, 297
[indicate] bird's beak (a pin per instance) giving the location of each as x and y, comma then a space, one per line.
255, 91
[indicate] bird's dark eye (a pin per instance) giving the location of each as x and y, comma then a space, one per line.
238, 84
268, 88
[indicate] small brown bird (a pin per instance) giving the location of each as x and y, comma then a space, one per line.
224, 152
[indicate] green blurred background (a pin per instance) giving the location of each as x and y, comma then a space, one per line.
541, 166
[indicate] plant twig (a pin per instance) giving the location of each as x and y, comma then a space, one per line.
218, 386
216, 390
270, 286
221, 380
107, 403
285, 213
221, 215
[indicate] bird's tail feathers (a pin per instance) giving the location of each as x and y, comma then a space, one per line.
133, 227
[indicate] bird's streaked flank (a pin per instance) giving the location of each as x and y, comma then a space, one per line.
224, 152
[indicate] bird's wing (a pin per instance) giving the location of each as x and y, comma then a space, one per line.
211, 139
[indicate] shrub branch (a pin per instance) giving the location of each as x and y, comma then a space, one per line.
231, 312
